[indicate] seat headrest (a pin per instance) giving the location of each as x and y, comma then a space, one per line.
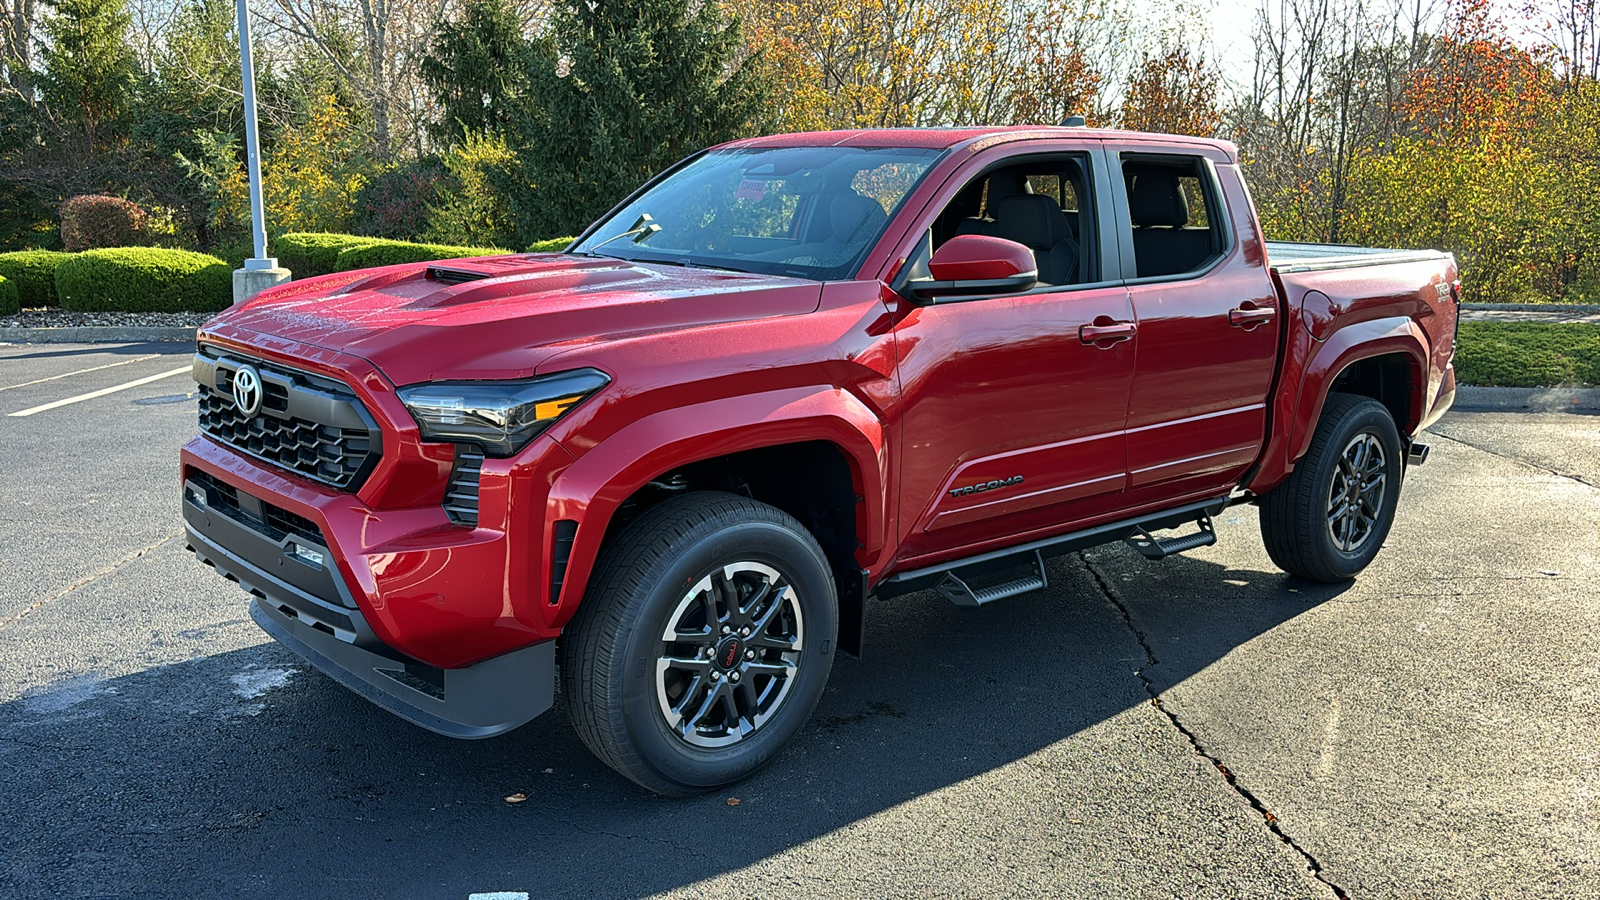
1032, 220
1155, 200
1005, 183
852, 213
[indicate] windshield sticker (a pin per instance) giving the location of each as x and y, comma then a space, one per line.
751, 189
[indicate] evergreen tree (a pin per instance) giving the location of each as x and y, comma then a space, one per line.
189, 105
89, 70
618, 90
474, 69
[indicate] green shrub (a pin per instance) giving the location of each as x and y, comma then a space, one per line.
390, 253
144, 279
308, 253
8, 298
33, 273
470, 207
554, 245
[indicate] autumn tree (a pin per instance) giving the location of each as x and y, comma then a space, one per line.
1500, 166
1060, 73
1174, 91
1325, 88
884, 63
374, 48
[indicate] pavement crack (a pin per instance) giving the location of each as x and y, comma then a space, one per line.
1199, 748
1516, 459
35, 606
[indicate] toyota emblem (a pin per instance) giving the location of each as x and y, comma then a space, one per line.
247, 392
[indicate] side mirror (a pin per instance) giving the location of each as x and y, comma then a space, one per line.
971, 266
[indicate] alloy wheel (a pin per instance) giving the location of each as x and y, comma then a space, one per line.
1357, 492
729, 655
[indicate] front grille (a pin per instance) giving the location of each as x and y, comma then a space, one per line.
310, 425
271, 521
461, 499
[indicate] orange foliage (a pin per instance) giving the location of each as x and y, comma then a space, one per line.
1174, 92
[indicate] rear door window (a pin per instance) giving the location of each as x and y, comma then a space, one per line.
1175, 216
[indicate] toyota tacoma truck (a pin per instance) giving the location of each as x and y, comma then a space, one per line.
789, 374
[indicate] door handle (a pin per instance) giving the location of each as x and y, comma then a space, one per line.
1105, 332
1248, 315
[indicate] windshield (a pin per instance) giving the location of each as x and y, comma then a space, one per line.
810, 212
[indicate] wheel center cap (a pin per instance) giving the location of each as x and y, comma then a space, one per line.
729, 652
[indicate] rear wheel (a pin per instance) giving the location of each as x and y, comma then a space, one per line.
1330, 518
703, 643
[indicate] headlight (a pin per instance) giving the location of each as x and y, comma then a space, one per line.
503, 416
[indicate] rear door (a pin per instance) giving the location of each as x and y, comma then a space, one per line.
1208, 318
1014, 405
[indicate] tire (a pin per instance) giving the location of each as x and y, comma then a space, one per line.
653, 709
1311, 532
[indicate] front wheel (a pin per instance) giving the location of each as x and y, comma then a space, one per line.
703, 643
1330, 518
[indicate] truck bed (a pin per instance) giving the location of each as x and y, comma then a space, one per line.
1294, 256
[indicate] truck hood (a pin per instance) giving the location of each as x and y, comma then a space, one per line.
500, 317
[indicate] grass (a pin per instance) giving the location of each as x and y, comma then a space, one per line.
1528, 354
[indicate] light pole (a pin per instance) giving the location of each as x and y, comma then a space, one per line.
260, 271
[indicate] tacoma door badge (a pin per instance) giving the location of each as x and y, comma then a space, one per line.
986, 486
247, 393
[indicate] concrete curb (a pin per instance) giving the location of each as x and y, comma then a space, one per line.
1504, 399
96, 334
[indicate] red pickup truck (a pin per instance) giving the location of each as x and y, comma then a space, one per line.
790, 373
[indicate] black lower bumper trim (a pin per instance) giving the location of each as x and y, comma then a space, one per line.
479, 701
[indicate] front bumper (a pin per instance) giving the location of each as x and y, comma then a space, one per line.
309, 608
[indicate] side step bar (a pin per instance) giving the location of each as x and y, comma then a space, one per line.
953, 579
952, 588
1152, 547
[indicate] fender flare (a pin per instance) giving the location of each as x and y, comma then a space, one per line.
591, 489
1349, 345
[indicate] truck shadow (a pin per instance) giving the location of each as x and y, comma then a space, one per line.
177, 782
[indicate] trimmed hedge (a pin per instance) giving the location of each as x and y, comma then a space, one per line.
33, 274
307, 254
391, 253
144, 279
9, 303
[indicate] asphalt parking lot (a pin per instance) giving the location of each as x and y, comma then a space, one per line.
1200, 727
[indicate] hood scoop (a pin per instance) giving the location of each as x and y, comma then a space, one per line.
451, 275
465, 270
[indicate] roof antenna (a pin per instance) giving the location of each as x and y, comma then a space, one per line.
1075, 121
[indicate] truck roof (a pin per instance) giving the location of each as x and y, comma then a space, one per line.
946, 138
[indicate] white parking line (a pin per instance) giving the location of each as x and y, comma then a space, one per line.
81, 371
102, 392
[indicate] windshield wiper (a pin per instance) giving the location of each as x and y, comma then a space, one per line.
643, 228
718, 266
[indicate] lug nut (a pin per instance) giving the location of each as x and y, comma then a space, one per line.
715, 677
749, 654
745, 631
726, 629
733, 676
710, 652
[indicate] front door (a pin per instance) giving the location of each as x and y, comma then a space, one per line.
1015, 405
